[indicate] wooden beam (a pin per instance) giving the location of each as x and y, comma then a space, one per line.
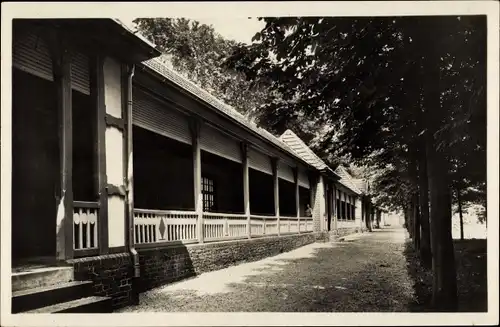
195, 127
275, 162
115, 190
297, 195
61, 63
114, 121
334, 206
97, 94
246, 185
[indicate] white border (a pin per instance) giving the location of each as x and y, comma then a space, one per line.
253, 9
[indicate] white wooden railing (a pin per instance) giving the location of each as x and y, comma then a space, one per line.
85, 225
223, 225
156, 226
289, 225
163, 226
263, 225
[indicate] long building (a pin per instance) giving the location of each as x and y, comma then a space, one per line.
127, 176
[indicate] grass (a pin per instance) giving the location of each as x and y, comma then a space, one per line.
471, 265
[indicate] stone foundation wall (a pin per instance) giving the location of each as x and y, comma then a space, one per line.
112, 276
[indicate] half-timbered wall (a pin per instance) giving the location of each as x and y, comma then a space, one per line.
113, 98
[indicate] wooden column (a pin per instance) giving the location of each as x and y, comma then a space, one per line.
351, 200
297, 195
276, 192
61, 62
347, 209
97, 93
246, 185
334, 206
195, 126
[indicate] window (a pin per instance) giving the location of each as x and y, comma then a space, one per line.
208, 193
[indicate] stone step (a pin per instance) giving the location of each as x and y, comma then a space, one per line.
33, 298
41, 277
91, 304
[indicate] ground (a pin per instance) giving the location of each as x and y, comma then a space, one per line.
365, 273
471, 263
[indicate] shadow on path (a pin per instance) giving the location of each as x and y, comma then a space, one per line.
367, 275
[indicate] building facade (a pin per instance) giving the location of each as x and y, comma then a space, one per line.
129, 176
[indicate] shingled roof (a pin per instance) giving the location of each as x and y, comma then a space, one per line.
361, 184
302, 150
347, 180
162, 69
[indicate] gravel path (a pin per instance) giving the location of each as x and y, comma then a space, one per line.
365, 273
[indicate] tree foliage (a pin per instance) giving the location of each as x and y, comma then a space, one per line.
197, 51
383, 92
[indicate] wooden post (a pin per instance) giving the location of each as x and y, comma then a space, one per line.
346, 200
297, 196
246, 186
97, 93
276, 191
334, 206
61, 62
198, 197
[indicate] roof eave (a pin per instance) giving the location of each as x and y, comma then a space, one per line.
112, 36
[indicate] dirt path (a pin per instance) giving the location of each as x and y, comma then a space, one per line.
366, 273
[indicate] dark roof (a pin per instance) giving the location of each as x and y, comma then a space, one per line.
109, 35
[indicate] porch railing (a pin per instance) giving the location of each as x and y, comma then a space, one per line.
85, 225
163, 226
222, 225
154, 226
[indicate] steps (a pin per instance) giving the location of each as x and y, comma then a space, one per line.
53, 290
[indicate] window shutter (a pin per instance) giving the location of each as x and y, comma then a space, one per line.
259, 161
285, 172
31, 54
216, 142
80, 75
155, 116
303, 179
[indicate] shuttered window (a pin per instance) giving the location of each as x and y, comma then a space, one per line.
31, 54
149, 113
80, 74
259, 161
303, 179
285, 172
216, 142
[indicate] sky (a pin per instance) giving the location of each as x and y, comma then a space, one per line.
234, 28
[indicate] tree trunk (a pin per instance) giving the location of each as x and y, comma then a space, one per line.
413, 179
444, 297
367, 216
423, 188
409, 214
460, 214
416, 223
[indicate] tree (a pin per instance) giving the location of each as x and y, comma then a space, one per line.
379, 91
196, 51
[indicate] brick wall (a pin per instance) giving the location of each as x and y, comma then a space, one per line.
112, 276
160, 266
318, 199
